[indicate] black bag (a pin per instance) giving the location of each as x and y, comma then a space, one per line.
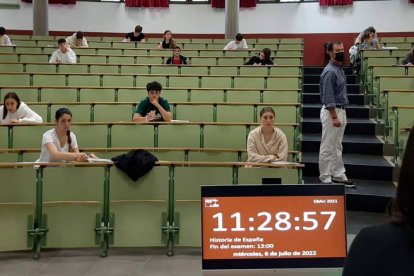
135, 163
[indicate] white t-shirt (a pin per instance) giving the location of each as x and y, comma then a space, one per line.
233, 46
71, 41
68, 57
24, 114
5, 40
50, 136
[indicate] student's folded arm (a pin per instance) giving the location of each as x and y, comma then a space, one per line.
253, 154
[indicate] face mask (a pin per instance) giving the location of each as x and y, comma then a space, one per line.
340, 57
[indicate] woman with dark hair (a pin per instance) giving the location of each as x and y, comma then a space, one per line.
388, 249
262, 59
13, 111
267, 143
60, 144
409, 59
77, 40
4, 39
373, 34
168, 42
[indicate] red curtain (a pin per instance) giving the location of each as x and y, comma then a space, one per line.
66, 2
247, 3
335, 2
147, 3
411, 1
220, 4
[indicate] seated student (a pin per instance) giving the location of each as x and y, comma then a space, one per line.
168, 42
77, 40
262, 59
368, 41
64, 54
4, 39
13, 111
409, 59
60, 144
267, 143
177, 58
388, 249
153, 108
136, 36
238, 44
371, 30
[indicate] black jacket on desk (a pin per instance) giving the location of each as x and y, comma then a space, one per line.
257, 60
135, 163
381, 250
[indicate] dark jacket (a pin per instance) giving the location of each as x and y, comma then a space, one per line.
409, 58
257, 60
183, 60
135, 163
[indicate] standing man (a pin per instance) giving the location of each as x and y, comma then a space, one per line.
333, 117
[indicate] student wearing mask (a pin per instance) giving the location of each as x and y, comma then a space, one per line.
334, 99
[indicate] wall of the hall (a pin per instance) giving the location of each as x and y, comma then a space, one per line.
309, 20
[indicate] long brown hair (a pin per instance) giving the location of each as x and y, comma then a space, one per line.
10, 95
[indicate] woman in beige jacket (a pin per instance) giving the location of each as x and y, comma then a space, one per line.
267, 143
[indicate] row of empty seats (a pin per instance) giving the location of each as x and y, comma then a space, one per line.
124, 80
189, 111
26, 67
75, 201
132, 94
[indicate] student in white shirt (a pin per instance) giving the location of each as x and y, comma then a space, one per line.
77, 40
238, 44
4, 39
64, 54
13, 111
60, 144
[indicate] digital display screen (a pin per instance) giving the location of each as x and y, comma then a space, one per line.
273, 226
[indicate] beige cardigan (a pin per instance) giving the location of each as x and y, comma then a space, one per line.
275, 150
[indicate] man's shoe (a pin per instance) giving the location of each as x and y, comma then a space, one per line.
348, 183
